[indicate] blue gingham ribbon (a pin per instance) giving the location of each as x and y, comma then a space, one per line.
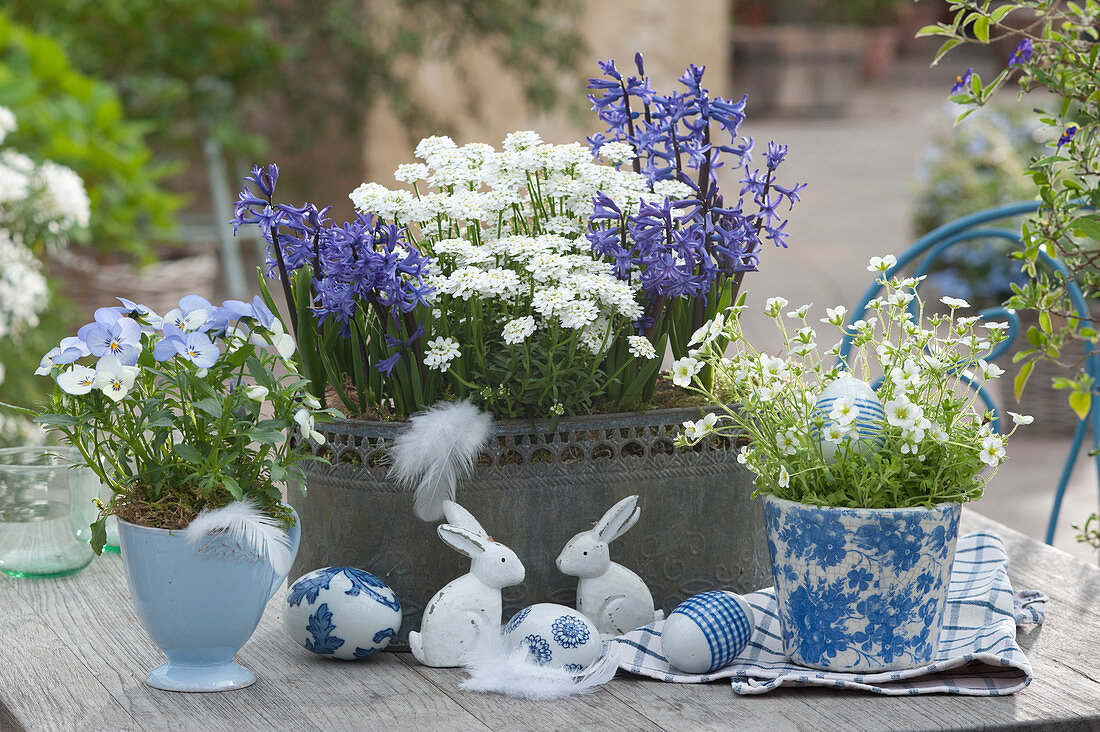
977, 656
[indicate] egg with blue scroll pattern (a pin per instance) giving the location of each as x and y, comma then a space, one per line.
865, 431
554, 635
341, 612
707, 631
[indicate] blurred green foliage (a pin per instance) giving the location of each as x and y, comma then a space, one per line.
233, 67
75, 120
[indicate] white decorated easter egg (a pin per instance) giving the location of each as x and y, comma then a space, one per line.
555, 635
707, 631
341, 612
865, 422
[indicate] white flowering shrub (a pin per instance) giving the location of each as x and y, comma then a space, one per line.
42, 205
936, 442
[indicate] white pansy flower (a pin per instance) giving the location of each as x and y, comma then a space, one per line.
1021, 418
684, 369
77, 380
641, 347
114, 379
516, 331
256, 392
306, 424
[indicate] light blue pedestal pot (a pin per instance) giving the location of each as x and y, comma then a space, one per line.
199, 603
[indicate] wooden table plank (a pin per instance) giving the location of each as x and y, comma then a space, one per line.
294, 687
600, 708
72, 656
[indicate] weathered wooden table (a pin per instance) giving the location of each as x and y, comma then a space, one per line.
72, 657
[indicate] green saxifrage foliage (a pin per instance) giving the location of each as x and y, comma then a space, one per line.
77, 121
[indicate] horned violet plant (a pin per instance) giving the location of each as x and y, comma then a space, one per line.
935, 443
535, 279
184, 412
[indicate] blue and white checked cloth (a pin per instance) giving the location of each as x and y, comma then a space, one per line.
978, 655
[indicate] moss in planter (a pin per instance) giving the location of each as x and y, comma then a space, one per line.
177, 509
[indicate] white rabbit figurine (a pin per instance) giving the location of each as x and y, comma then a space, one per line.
470, 604
610, 595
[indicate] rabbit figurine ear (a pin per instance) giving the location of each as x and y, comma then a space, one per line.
618, 519
463, 540
463, 519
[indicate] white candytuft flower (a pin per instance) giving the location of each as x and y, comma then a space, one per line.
517, 331
641, 347
441, 351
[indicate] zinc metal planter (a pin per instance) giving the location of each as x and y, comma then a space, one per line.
533, 489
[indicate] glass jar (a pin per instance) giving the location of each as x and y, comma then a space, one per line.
39, 528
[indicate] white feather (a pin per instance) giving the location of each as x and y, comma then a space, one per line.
438, 449
494, 668
244, 523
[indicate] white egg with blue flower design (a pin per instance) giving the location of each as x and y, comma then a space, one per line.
341, 612
555, 636
707, 631
865, 421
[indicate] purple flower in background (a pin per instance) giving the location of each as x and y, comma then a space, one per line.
962, 82
1068, 134
1022, 53
112, 334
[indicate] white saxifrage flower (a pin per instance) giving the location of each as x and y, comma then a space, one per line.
684, 369
992, 451
1021, 419
901, 412
693, 431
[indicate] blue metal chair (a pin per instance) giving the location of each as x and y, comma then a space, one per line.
918, 259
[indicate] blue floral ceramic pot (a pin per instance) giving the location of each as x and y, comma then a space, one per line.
860, 589
199, 603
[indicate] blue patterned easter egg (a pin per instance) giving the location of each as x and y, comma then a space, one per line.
341, 612
554, 635
706, 632
865, 432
